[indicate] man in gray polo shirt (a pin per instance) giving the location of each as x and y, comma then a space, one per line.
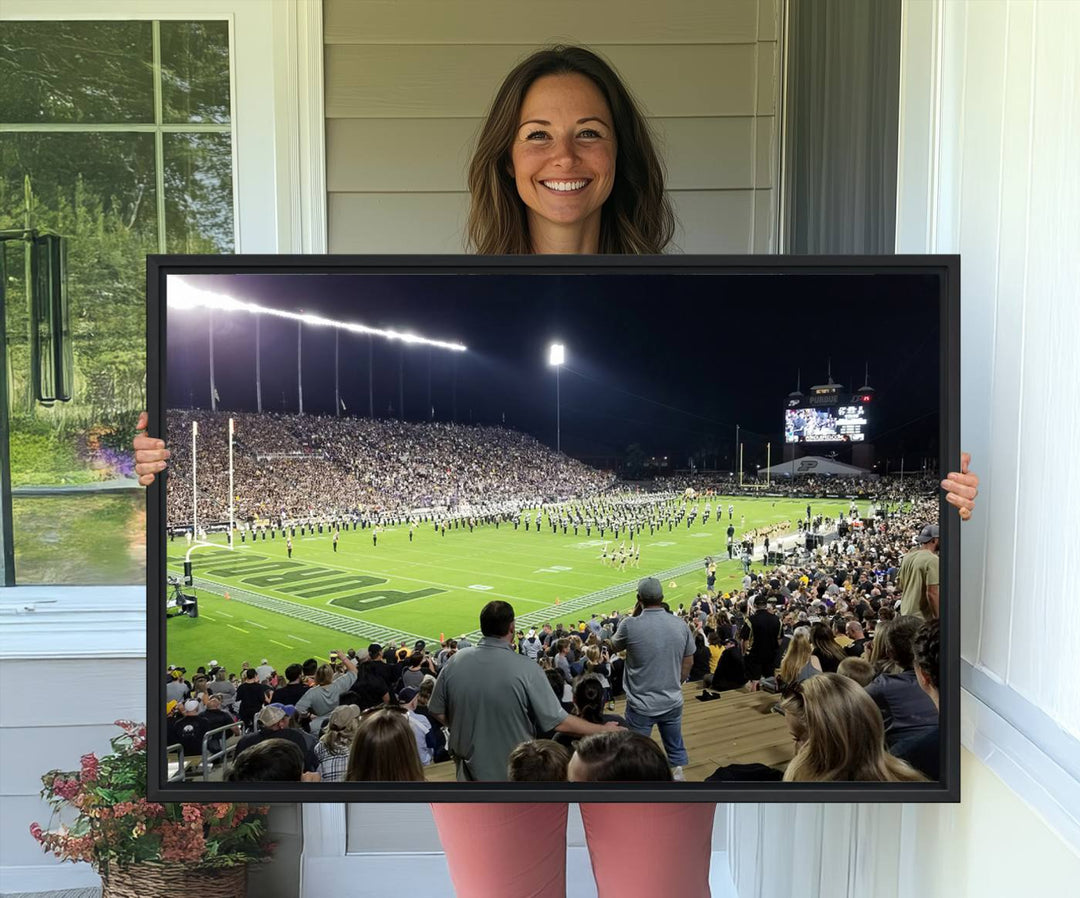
659, 653
493, 699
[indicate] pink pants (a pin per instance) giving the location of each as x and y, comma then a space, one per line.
519, 850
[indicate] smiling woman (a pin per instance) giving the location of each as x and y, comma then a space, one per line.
563, 117
563, 161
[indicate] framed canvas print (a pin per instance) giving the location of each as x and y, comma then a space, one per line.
548, 528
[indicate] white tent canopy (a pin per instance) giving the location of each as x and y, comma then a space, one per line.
816, 465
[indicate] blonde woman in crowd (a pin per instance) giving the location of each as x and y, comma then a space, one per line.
839, 735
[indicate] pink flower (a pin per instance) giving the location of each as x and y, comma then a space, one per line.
65, 788
89, 768
36, 832
192, 813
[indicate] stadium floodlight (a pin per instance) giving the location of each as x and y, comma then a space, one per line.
184, 295
556, 357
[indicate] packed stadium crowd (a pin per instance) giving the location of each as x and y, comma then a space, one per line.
359, 465
846, 633
890, 489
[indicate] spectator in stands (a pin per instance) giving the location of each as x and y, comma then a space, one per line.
858, 669
828, 653
908, 711
188, 729
716, 648
367, 692
839, 628
563, 691
918, 577
589, 705
419, 666
274, 724
421, 724
857, 635
562, 659
799, 662
325, 695
761, 636
922, 752
290, 693
491, 698
216, 717
531, 645
447, 651
618, 756
702, 658
384, 748
438, 734
332, 752
376, 666
251, 695
220, 685
271, 761
597, 663
730, 670
659, 654
838, 735
538, 761
176, 690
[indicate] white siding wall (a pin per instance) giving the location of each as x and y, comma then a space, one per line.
408, 82
988, 168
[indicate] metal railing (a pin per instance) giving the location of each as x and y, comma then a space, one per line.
224, 755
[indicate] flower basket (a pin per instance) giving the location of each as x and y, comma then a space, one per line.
173, 881
145, 849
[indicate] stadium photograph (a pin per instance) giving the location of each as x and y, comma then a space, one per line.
505, 527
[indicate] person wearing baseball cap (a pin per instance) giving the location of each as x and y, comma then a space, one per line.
188, 728
918, 576
272, 722
659, 654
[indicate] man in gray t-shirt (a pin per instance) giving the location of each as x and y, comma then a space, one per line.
659, 653
493, 699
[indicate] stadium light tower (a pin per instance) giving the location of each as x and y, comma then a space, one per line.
556, 358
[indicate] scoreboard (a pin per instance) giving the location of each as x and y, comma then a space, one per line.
827, 416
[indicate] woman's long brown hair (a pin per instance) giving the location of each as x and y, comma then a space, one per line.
384, 749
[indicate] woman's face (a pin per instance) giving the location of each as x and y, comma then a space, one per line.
563, 154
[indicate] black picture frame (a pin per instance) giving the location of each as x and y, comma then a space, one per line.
946, 268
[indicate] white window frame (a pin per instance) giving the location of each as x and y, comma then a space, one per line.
279, 189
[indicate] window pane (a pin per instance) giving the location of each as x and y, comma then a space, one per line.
98, 191
195, 72
198, 193
76, 72
81, 539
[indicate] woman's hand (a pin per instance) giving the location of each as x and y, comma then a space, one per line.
962, 487
150, 453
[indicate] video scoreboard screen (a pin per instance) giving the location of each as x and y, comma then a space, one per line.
840, 424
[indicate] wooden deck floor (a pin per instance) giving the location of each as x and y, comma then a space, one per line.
736, 729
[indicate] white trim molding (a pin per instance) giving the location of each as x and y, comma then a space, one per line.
298, 38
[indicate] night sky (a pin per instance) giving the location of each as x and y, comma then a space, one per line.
663, 360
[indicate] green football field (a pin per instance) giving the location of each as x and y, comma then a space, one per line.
255, 603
